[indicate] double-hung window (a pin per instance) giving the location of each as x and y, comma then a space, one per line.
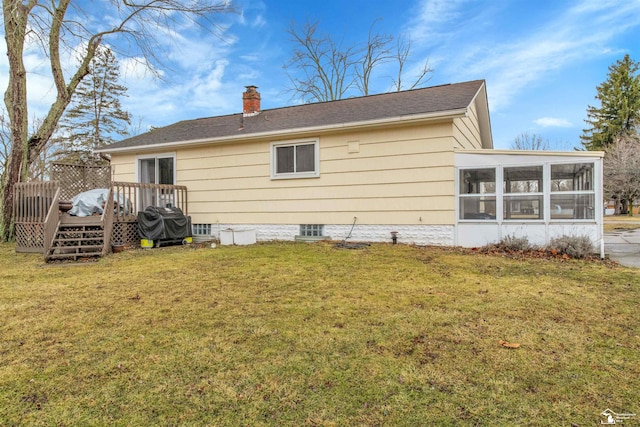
295, 159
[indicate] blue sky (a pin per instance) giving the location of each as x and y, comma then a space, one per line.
542, 60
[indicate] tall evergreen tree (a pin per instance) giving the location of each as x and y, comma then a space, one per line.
619, 111
95, 116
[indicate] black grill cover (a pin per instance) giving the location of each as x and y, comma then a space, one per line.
163, 223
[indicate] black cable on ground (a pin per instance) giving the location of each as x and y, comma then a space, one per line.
345, 245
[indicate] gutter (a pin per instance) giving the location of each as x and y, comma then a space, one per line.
541, 153
440, 115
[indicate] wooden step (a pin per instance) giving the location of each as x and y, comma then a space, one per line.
77, 237
83, 239
78, 234
80, 247
72, 231
68, 221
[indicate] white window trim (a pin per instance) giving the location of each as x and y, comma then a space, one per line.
461, 196
156, 156
550, 193
296, 175
541, 194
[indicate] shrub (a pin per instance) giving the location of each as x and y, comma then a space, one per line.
513, 243
574, 246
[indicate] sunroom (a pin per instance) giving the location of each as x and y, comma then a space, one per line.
537, 195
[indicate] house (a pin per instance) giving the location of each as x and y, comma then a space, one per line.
419, 163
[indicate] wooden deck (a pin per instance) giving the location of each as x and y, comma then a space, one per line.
43, 226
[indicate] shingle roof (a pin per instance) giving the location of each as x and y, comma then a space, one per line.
434, 99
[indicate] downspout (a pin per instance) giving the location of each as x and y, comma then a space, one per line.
600, 212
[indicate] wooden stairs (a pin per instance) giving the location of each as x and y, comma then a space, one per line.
77, 238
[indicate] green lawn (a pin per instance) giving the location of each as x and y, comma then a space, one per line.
312, 335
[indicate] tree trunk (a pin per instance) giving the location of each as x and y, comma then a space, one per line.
25, 149
15, 99
623, 208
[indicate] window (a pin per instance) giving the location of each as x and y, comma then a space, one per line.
156, 170
523, 193
311, 230
572, 194
477, 194
295, 159
201, 229
550, 191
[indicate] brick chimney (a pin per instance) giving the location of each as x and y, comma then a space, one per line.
251, 101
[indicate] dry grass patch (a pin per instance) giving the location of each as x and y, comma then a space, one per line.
308, 334
621, 222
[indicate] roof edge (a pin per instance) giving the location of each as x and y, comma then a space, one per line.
481, 101
439, 115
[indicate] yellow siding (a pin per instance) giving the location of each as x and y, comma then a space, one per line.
441, 217
123, 167
466, 130
389, 176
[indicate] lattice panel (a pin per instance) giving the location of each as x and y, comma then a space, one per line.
75, 178
29, 237
125, 233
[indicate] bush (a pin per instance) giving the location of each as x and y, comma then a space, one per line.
573, 246
513, 243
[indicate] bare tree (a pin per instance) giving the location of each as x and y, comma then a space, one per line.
62, 24
527, 141
321, 69
622, 170
136, 127
320, 66
376, 52
402, 54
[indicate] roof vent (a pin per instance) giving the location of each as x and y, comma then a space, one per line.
250, 101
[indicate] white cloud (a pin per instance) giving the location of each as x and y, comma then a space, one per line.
521, 59
259, 22
135, 70
546, 122
433, 17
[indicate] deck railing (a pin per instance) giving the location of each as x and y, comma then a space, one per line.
107, 222
37, 213
51, 223
132, 197
31, 205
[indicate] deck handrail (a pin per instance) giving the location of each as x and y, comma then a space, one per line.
51, 222
107, 222
31, 206
133, 197
32, 200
